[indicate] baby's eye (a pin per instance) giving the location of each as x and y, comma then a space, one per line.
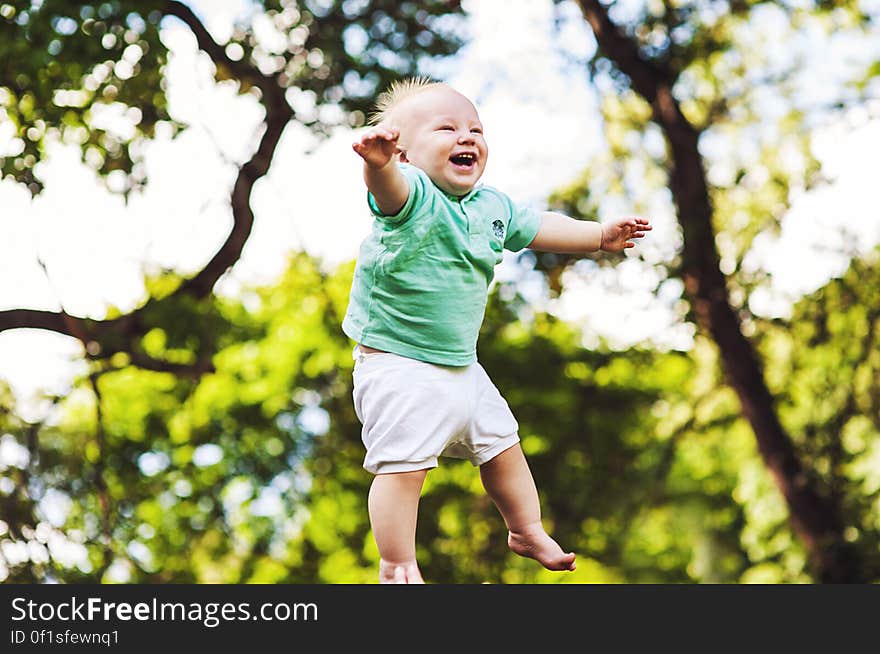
477, 130
447, 128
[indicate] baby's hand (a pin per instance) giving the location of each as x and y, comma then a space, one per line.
616, 235
378, 146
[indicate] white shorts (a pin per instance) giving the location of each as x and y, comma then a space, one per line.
412, 412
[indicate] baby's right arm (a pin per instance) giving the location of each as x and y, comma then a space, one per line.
384, 179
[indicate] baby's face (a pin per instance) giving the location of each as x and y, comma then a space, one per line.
441, 133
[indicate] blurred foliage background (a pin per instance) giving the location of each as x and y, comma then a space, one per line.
248, 470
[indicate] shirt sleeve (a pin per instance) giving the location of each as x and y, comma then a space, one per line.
417, 190
522, 227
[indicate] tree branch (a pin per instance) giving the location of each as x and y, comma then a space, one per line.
646, 76
96, 335
240, 69
192, 370
36, 319
278, 114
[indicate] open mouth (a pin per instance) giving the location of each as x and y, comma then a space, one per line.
464, 160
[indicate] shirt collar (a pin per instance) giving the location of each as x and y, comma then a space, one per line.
463, 198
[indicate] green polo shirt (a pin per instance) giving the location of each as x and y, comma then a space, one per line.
422, 276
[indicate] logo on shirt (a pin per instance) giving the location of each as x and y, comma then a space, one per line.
498, 229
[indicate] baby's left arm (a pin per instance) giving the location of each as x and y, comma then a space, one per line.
564, 235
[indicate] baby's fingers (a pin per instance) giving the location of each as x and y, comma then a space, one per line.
388, 133
380, 134
638, 226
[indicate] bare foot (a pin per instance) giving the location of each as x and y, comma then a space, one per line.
533, 542
399, 573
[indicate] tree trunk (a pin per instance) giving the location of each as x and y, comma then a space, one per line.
815, 518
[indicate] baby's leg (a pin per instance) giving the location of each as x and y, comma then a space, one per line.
509, 482
393, 505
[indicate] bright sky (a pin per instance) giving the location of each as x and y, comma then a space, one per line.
541, 135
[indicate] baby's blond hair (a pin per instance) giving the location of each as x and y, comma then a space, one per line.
397, 93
